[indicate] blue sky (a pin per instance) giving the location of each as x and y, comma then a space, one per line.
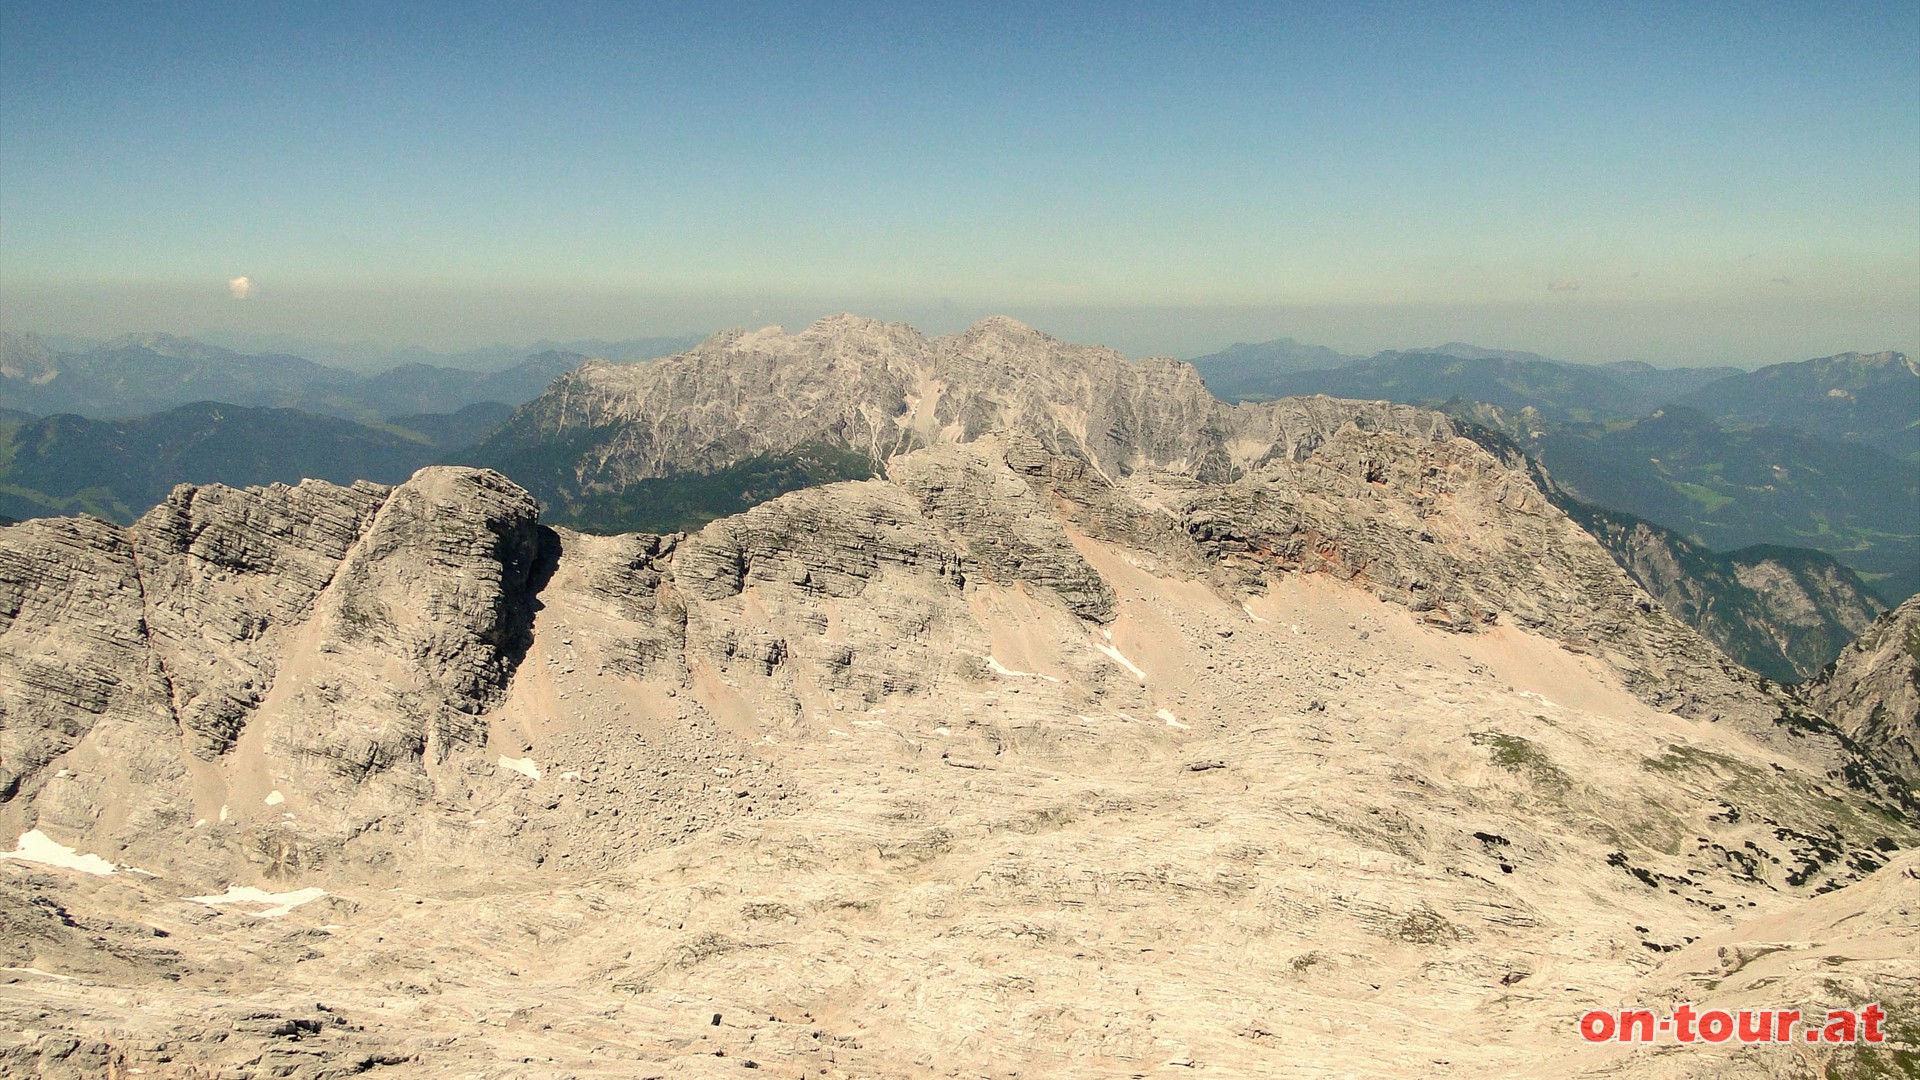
1676, 186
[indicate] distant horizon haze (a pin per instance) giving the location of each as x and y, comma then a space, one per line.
1590, 330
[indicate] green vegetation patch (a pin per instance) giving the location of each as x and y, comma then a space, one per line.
1521, 756
1708, 499
1677, 758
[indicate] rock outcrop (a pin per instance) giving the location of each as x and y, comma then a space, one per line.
1872, 692
355, 629
224, 575
73, 646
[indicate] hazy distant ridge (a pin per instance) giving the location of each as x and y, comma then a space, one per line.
149, 373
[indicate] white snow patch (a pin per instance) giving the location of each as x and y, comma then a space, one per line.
1114, 655
942, 731
837, 731
1251, 615
1003, 670
522, 765
200, 823
274, 798
61, 775
569, 775
1172, 720
1295, 628
281, 903
1542, 700
35, 846
37, 971
223, 813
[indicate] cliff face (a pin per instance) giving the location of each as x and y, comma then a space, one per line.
350, 633
1872, 692
1812, 605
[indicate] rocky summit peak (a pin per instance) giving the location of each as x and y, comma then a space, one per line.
167, 345
734, 337
846, 322
1005, 326
1876, 366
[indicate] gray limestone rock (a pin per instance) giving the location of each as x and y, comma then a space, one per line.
1872, 692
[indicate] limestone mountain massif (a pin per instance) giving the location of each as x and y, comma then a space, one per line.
880, 389
750, 415
1104, 729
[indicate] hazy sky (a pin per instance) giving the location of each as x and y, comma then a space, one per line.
1638, 182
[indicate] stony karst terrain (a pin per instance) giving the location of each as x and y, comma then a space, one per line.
1105, 732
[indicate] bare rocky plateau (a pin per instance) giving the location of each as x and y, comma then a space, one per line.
1098, 736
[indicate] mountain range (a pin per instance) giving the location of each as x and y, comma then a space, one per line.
1658, 469
149, 373
119, 469
370, 359
1817, 453
1126, 729
1851, 398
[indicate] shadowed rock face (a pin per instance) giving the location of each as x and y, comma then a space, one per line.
1786, 613
1872, 692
